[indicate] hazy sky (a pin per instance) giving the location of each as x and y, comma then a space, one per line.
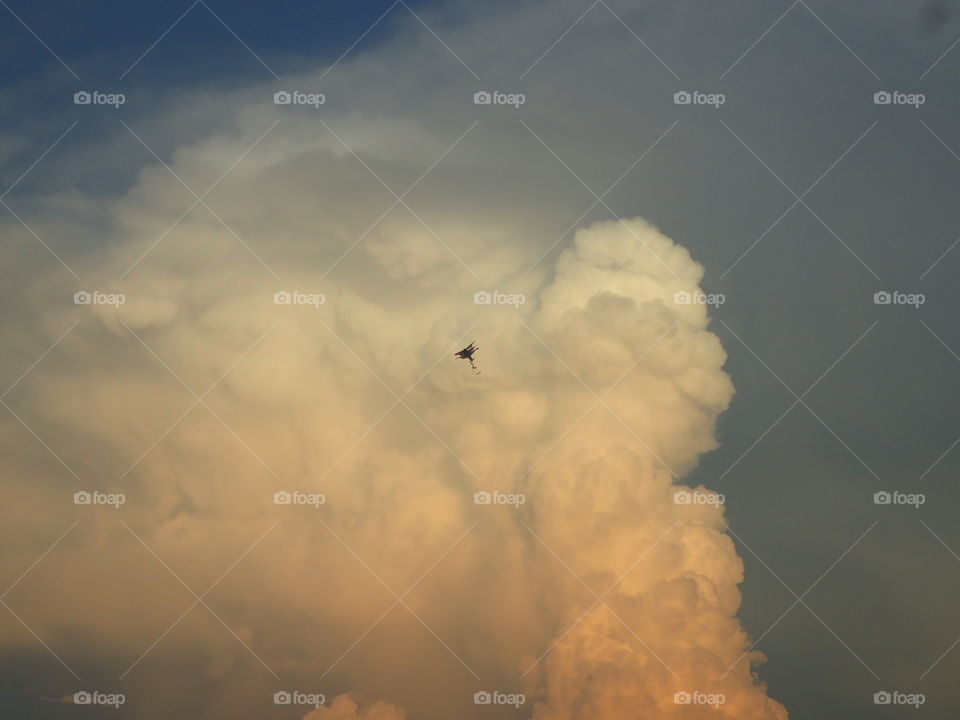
600, 210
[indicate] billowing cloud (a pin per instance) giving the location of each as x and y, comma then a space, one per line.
583, 586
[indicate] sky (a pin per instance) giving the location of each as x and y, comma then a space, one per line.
703, 467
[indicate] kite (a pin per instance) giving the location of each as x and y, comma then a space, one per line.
467, 354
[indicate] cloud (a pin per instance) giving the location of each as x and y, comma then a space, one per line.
199, 398
597, 474
345, 708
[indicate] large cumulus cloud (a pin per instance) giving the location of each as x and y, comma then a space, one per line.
199, 398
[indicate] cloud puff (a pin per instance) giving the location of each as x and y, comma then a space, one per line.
345, 708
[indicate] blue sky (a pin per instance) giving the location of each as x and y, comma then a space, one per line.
101, 40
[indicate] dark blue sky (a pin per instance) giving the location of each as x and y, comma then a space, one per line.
99, 40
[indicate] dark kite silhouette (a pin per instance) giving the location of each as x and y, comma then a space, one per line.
467, 354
